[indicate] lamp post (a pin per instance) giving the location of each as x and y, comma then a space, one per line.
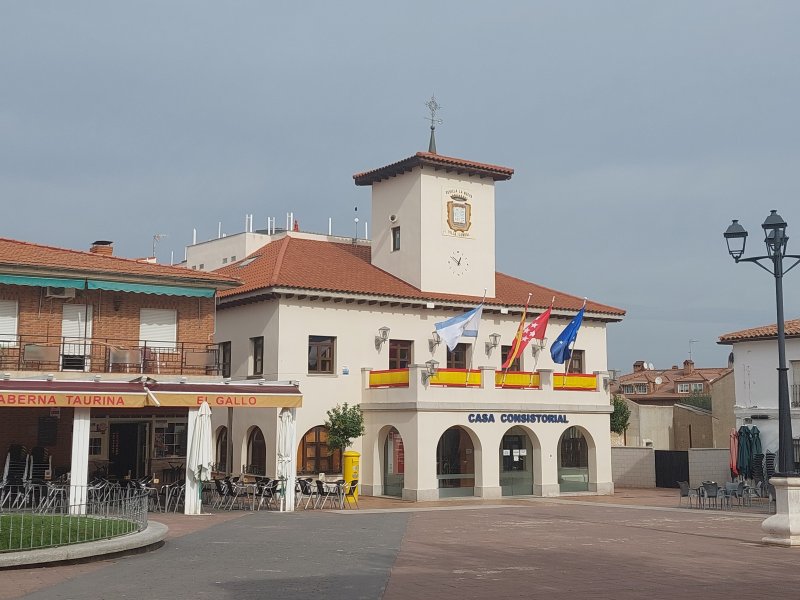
775, 240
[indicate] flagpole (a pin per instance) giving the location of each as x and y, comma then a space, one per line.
517, 339
536, 357
569, 362
471, 354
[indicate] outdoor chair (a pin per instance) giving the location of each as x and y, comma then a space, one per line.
688, 493
178, 497
711, 492
269, 492
307, 491
350, 493
324, 494
236, 492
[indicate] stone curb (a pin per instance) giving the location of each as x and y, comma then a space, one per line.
149, 539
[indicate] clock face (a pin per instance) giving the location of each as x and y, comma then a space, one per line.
458, 263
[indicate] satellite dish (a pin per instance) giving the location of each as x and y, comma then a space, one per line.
659, 381
650, 366
645, 366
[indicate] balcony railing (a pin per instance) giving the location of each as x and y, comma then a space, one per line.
107, 355
473, 378
795, 392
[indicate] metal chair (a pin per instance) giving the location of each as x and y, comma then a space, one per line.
688, 493
350, 492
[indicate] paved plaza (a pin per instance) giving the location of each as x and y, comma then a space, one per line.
632, 545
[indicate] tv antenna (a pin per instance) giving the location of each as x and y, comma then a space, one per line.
157, 238
690, 348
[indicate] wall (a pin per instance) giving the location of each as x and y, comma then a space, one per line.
653, 423
633, 467
723, 399
216, 253
754, 367
709, 464
692, 428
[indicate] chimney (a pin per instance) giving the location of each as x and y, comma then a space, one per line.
688, 366
638, 366
102, 247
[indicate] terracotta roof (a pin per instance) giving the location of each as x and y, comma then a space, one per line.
765, 332
458, 165
33, 259
328, 266
666, 390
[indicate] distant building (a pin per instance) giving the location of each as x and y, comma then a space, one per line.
672, 409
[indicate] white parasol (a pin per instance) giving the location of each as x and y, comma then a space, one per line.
200, 456
286, 467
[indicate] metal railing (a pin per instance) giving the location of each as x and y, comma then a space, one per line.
795, 395
41, 515
107, 355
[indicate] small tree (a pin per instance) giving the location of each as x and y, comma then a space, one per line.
345, 423
620, 418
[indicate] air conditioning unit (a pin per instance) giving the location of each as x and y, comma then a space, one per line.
59, 292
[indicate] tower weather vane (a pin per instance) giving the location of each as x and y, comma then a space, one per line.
433, 107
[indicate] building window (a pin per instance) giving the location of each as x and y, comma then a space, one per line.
320, 353
641, 388
225, 358
395, 239
314, 456
8, 323
256, 453
457, 358
683, 388
697, 388
224, 260
516, 364
158, 328
221, 453
575, 363
400, 354
233, 258
627, 388
95, 446
257, 355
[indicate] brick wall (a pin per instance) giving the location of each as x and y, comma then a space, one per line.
709, 464
633, 467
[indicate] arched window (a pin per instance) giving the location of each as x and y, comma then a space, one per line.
256, 453
455, 463
221, 453
314, 456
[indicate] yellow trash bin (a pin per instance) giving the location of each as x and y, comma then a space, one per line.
351, 468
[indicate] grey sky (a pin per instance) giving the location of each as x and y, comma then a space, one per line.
637, 131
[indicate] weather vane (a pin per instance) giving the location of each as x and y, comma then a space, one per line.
434, 107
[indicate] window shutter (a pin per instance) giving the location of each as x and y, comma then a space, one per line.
73, 320
158, 327
8, 323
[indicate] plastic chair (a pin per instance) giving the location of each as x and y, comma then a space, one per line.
350, 492
711, 492
307, 491
688, 493
324, 493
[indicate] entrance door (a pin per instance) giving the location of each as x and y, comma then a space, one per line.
127, 450
393, 465
516, 457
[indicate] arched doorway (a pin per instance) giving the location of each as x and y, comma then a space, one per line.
573, 461
516, 463
221, 450
256, 452
314, 456
455, 464
394, 467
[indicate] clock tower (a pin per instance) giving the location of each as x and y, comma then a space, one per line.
433, 222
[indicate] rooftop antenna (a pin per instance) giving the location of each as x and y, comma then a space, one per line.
434, 107
157, 238
690, 348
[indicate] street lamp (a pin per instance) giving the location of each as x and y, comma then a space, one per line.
775, 239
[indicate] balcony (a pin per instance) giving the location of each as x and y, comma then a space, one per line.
485, 386
795, 395
107, 355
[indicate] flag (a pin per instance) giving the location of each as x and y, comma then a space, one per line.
466, 325
560, 350
514, 352
534, 331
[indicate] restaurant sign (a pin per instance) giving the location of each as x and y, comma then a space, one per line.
75, 399
32, 398
516, 418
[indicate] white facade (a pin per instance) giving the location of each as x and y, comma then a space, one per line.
214, 254
502, 435
755, 368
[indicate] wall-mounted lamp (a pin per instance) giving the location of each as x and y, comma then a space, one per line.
431, 366
537, 346
50, 377
494, 341
435, 340
382, 337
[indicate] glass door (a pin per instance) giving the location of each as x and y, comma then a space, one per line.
516, 454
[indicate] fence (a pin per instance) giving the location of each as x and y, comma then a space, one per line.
41, 515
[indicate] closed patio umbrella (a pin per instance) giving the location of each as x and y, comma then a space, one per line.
201, 453
734, 453
756, 441
286, 467
744, 462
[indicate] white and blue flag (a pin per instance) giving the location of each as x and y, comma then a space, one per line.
467, 325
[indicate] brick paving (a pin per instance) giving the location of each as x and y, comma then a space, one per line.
634, 544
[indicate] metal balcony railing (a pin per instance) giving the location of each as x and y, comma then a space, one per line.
473, 378
795, 395
108, 355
